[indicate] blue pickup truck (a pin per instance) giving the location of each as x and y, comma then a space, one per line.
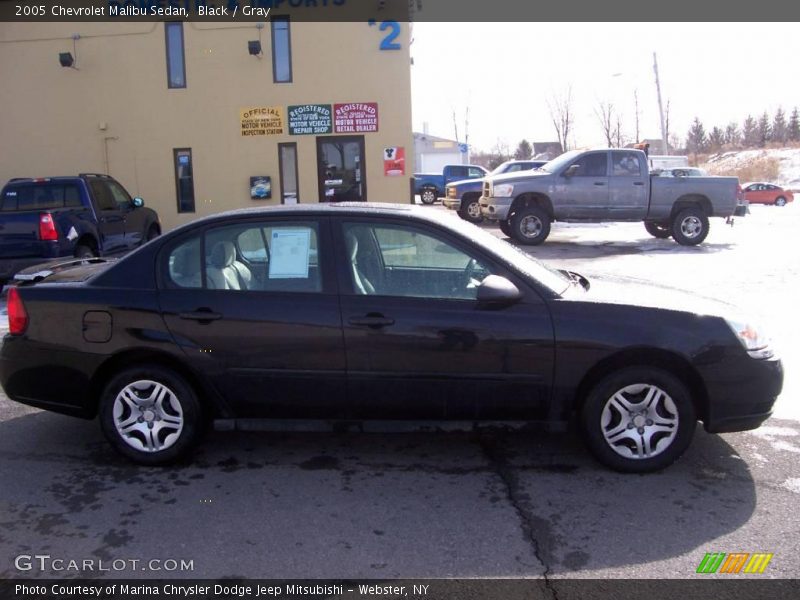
463, 195
49, 218
430, 186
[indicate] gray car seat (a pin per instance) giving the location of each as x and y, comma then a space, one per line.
224, 271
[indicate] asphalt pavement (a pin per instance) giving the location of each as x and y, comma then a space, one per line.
493, 504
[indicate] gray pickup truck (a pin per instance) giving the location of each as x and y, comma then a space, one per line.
607, 185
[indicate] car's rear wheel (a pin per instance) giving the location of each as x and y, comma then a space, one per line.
780, 201
150, 414
690, 226
638, 419
530, 226
505, 227
471, 209
428, 196
84, 251
657, 230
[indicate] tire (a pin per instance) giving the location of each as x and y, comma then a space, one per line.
530, 226
152, 233
177, 418
657, 230
690, 226
428, 195
625, 440
85, 251
780, 201
471, 209
505, 227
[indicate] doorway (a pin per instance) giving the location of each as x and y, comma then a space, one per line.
341, 168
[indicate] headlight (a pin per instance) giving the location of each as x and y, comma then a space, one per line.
504, 190
753, 338
451, 192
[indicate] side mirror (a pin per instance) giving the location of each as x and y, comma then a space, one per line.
138, 202
497, 290
571, 170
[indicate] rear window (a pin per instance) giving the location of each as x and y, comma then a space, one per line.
41, 197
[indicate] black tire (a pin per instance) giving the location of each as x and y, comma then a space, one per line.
505, 227
530, 226
85, 251
428, 195
182, 405
780, 201
470, 209
689, 226
602, 419
152, 233
657, 230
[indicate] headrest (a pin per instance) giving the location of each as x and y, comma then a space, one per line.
352, 244
223, 254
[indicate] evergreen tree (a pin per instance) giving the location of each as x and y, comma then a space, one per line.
780, 132
793, 129
733, 136
763, 130
749, 132
696, 140
524, 151
716, 139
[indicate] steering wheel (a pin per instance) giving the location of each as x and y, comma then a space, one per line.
469, 271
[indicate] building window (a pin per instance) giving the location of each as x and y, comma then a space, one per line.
184, 179
281, 50
176, 62
287, 159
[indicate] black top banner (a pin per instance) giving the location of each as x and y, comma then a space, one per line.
400, 10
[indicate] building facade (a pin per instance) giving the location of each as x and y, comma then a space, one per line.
197, 118
432, 153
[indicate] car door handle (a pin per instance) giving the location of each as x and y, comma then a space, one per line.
638, 183
374, 321
201, 314
599, 183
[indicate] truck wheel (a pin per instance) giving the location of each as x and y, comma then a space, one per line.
657, 230
530, 226
428, 196
152, 233
470, 209
505, 227
84, 251
690, 226
638, 419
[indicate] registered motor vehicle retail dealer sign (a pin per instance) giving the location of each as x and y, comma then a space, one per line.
356, 117
310, 119
261, 120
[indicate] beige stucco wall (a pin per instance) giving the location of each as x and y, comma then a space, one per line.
50, 116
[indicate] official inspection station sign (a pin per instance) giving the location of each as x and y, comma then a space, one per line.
261, 120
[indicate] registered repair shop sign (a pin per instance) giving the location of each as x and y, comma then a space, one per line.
310, 119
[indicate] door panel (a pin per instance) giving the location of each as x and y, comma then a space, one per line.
111, 220
629, 187
585, 194
342, 169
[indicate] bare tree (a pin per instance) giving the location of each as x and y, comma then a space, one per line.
560, 107
636, 107
666, 128
605, 114
619, 137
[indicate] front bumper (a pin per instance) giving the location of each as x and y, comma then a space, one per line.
495, 209
452, 203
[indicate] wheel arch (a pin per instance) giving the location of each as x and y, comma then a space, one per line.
87, 239
140, 356
690, 200
673, 363
530, 199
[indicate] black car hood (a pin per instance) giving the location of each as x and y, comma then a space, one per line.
613, 289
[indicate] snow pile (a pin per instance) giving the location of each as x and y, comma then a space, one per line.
788, 163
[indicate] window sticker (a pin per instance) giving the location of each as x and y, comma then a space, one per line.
289, 253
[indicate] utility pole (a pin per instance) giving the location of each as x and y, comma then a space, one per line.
466, 131
665, 148
455, 124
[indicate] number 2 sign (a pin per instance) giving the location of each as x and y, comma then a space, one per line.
393, 30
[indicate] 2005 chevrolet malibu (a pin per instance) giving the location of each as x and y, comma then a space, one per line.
362, 313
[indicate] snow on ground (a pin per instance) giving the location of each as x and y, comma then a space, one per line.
789, 159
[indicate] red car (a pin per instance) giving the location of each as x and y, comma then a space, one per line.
767, 193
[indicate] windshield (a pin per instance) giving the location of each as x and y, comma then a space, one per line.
560, 162
550, 278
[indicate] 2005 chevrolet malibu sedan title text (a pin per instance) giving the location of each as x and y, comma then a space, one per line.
362, 313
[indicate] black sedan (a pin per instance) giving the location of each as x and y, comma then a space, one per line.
348, 315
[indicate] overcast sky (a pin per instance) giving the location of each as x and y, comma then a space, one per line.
507, 72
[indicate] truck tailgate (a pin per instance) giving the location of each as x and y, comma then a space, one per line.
19, 236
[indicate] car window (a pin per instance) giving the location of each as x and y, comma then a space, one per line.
41, 197
184, 265
592, 165
121, 197
460, 172
473, 172
410, 263
103, 197
516, 167
628, 164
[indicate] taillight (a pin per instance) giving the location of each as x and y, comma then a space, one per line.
47, 228
17, 315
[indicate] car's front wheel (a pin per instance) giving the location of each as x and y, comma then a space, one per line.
530, 226
471, 209
638, 419
150, 414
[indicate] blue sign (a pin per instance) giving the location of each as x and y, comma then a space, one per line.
463, 148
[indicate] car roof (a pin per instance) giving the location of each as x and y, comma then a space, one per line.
56, 179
